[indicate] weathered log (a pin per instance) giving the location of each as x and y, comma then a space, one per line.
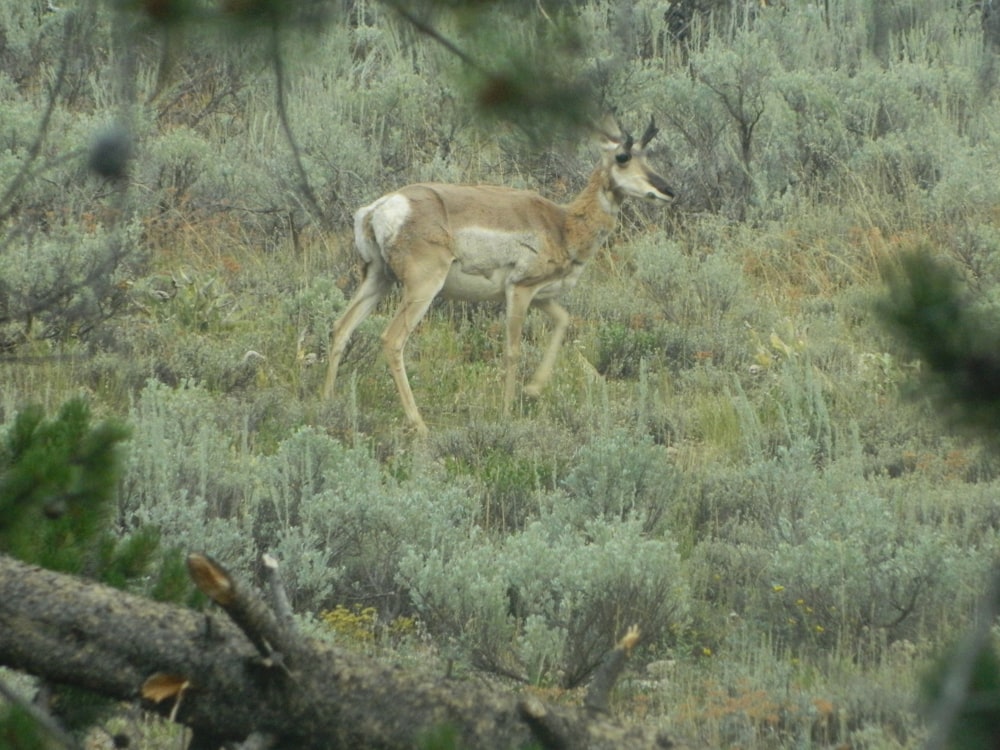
204, 671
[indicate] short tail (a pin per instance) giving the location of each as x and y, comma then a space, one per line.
364, 237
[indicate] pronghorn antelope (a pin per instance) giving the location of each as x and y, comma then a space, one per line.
479, 243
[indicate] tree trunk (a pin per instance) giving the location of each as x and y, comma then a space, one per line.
229, 677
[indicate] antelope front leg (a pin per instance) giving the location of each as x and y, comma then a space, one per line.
560, 323
518, 300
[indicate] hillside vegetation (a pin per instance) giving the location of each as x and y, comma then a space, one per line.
729, 454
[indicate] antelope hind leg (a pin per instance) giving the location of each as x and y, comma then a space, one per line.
412, 308
373, 288
560, 323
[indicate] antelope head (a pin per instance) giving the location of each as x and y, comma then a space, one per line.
628, 171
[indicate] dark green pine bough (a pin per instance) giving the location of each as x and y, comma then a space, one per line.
958, 343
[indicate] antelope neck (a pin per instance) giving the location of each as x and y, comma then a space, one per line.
591, 216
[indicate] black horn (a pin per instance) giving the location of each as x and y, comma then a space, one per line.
650, 133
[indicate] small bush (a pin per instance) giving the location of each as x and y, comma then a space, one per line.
849, 569
620, 476
547, 603
356, 624
623, 345
183, 477
509, 467
340, 526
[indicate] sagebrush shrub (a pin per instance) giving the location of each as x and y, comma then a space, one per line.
545, 604
622, 476
341, 526
849, 567
183, 476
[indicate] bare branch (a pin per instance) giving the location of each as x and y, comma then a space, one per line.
279, 597
43, 718
599, 694
425, 28
82, 633
304, 185
955, 686
273, 641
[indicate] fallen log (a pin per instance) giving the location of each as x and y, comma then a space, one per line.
246, 673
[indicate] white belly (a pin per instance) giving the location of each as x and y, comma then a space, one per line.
487, 261
475, 287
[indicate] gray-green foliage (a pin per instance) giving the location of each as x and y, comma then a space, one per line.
311, 312
178, 164
546, 603
65, 236
810, 509
326, 510
620, 476
341, 526
65, 247
830, 559
704, 299
183, 475
62, 284
852, 565
832, 120
801, 411
694, 306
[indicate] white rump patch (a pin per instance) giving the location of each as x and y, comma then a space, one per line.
386, 217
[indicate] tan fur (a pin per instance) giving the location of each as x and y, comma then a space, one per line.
477, 243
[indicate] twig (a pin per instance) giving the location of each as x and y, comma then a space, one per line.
541, 10
425, 28
44, 719
955, 687
277, 644
304, 185
279, 597
599, 693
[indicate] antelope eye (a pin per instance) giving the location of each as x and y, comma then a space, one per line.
623, 158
